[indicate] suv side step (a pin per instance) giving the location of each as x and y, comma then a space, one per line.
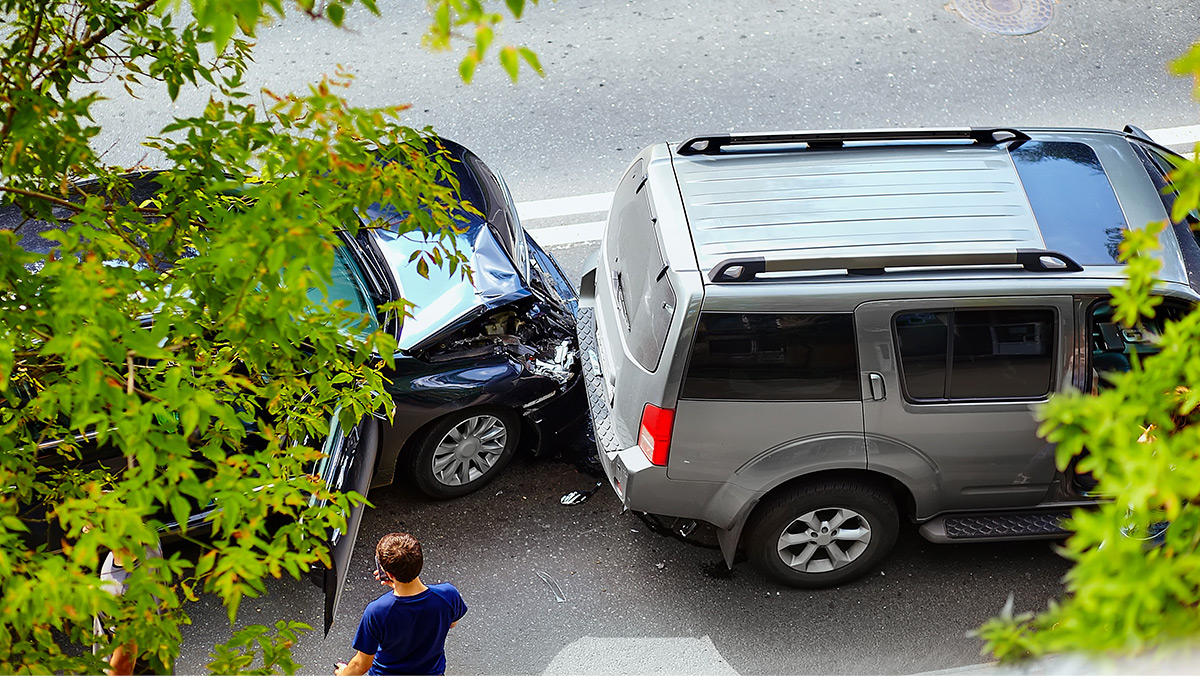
994, 526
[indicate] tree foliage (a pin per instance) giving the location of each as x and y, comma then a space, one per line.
185, 330
1125, 595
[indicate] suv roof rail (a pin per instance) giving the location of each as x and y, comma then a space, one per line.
1137, 132
745, 269
714, 144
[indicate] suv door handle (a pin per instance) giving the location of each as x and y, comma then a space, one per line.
878, 393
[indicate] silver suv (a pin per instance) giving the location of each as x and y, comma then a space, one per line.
801, 338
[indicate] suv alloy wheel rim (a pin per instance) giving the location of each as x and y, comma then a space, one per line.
824, 540
469, 450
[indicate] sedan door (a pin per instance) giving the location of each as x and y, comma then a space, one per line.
348, 465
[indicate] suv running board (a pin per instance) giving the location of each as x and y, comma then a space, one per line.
996, 526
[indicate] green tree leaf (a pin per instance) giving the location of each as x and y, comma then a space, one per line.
336, 13
508, 60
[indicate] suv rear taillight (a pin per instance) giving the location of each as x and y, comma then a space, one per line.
654, 437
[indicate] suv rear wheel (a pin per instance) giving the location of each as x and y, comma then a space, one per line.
823, 534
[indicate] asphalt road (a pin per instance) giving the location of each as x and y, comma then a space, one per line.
623, 75
619, 77
638, 601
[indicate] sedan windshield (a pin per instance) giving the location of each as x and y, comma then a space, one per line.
350, 289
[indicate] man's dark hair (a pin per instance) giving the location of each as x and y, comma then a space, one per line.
400, 555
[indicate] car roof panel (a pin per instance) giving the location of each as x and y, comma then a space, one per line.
930, 198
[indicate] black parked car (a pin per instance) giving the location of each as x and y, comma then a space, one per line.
487, 362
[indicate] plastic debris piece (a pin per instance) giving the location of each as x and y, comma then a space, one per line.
660, 566
558, 594
579, 497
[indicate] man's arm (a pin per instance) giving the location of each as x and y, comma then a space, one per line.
122, 661
358, 665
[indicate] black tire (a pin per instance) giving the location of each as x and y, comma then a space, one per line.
834, 558
480, 466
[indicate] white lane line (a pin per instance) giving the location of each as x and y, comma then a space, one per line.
565, 206
598, 203
1176, 135
561, 235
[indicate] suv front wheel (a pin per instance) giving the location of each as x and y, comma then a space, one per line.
823, 534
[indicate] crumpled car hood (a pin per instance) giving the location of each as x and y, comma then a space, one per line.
445, 302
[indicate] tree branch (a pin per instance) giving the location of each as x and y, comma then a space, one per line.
58, 201
94, 39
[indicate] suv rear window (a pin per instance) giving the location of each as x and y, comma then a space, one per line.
643, 293
1072, 200
764, 356
970, 355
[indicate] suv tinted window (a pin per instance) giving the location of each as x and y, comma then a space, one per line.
645, 301
1072, 200
957, 355
795, 357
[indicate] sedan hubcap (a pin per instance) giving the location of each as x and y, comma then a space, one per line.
824, 539
469, 450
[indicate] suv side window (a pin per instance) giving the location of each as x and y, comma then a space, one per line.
773, 357
976, 354
645, 301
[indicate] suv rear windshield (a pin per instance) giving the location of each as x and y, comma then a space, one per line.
644, 297
1072, 200
773, 357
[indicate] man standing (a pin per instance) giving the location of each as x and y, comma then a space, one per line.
404, 631
114, 577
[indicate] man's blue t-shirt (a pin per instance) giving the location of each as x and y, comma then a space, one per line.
407, 634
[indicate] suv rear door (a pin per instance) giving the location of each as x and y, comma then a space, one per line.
950, 387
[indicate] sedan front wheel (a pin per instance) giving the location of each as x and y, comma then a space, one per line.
464, 451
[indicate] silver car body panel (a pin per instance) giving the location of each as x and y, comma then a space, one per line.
757, 440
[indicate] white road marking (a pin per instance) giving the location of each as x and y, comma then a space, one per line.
597, 203
565, 206
1176, 135
563, 235
641, 655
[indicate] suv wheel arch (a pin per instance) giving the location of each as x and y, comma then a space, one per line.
733, 538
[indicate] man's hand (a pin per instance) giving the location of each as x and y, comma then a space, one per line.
385, 582
357, 665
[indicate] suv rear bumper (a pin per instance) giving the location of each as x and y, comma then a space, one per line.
641, 486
